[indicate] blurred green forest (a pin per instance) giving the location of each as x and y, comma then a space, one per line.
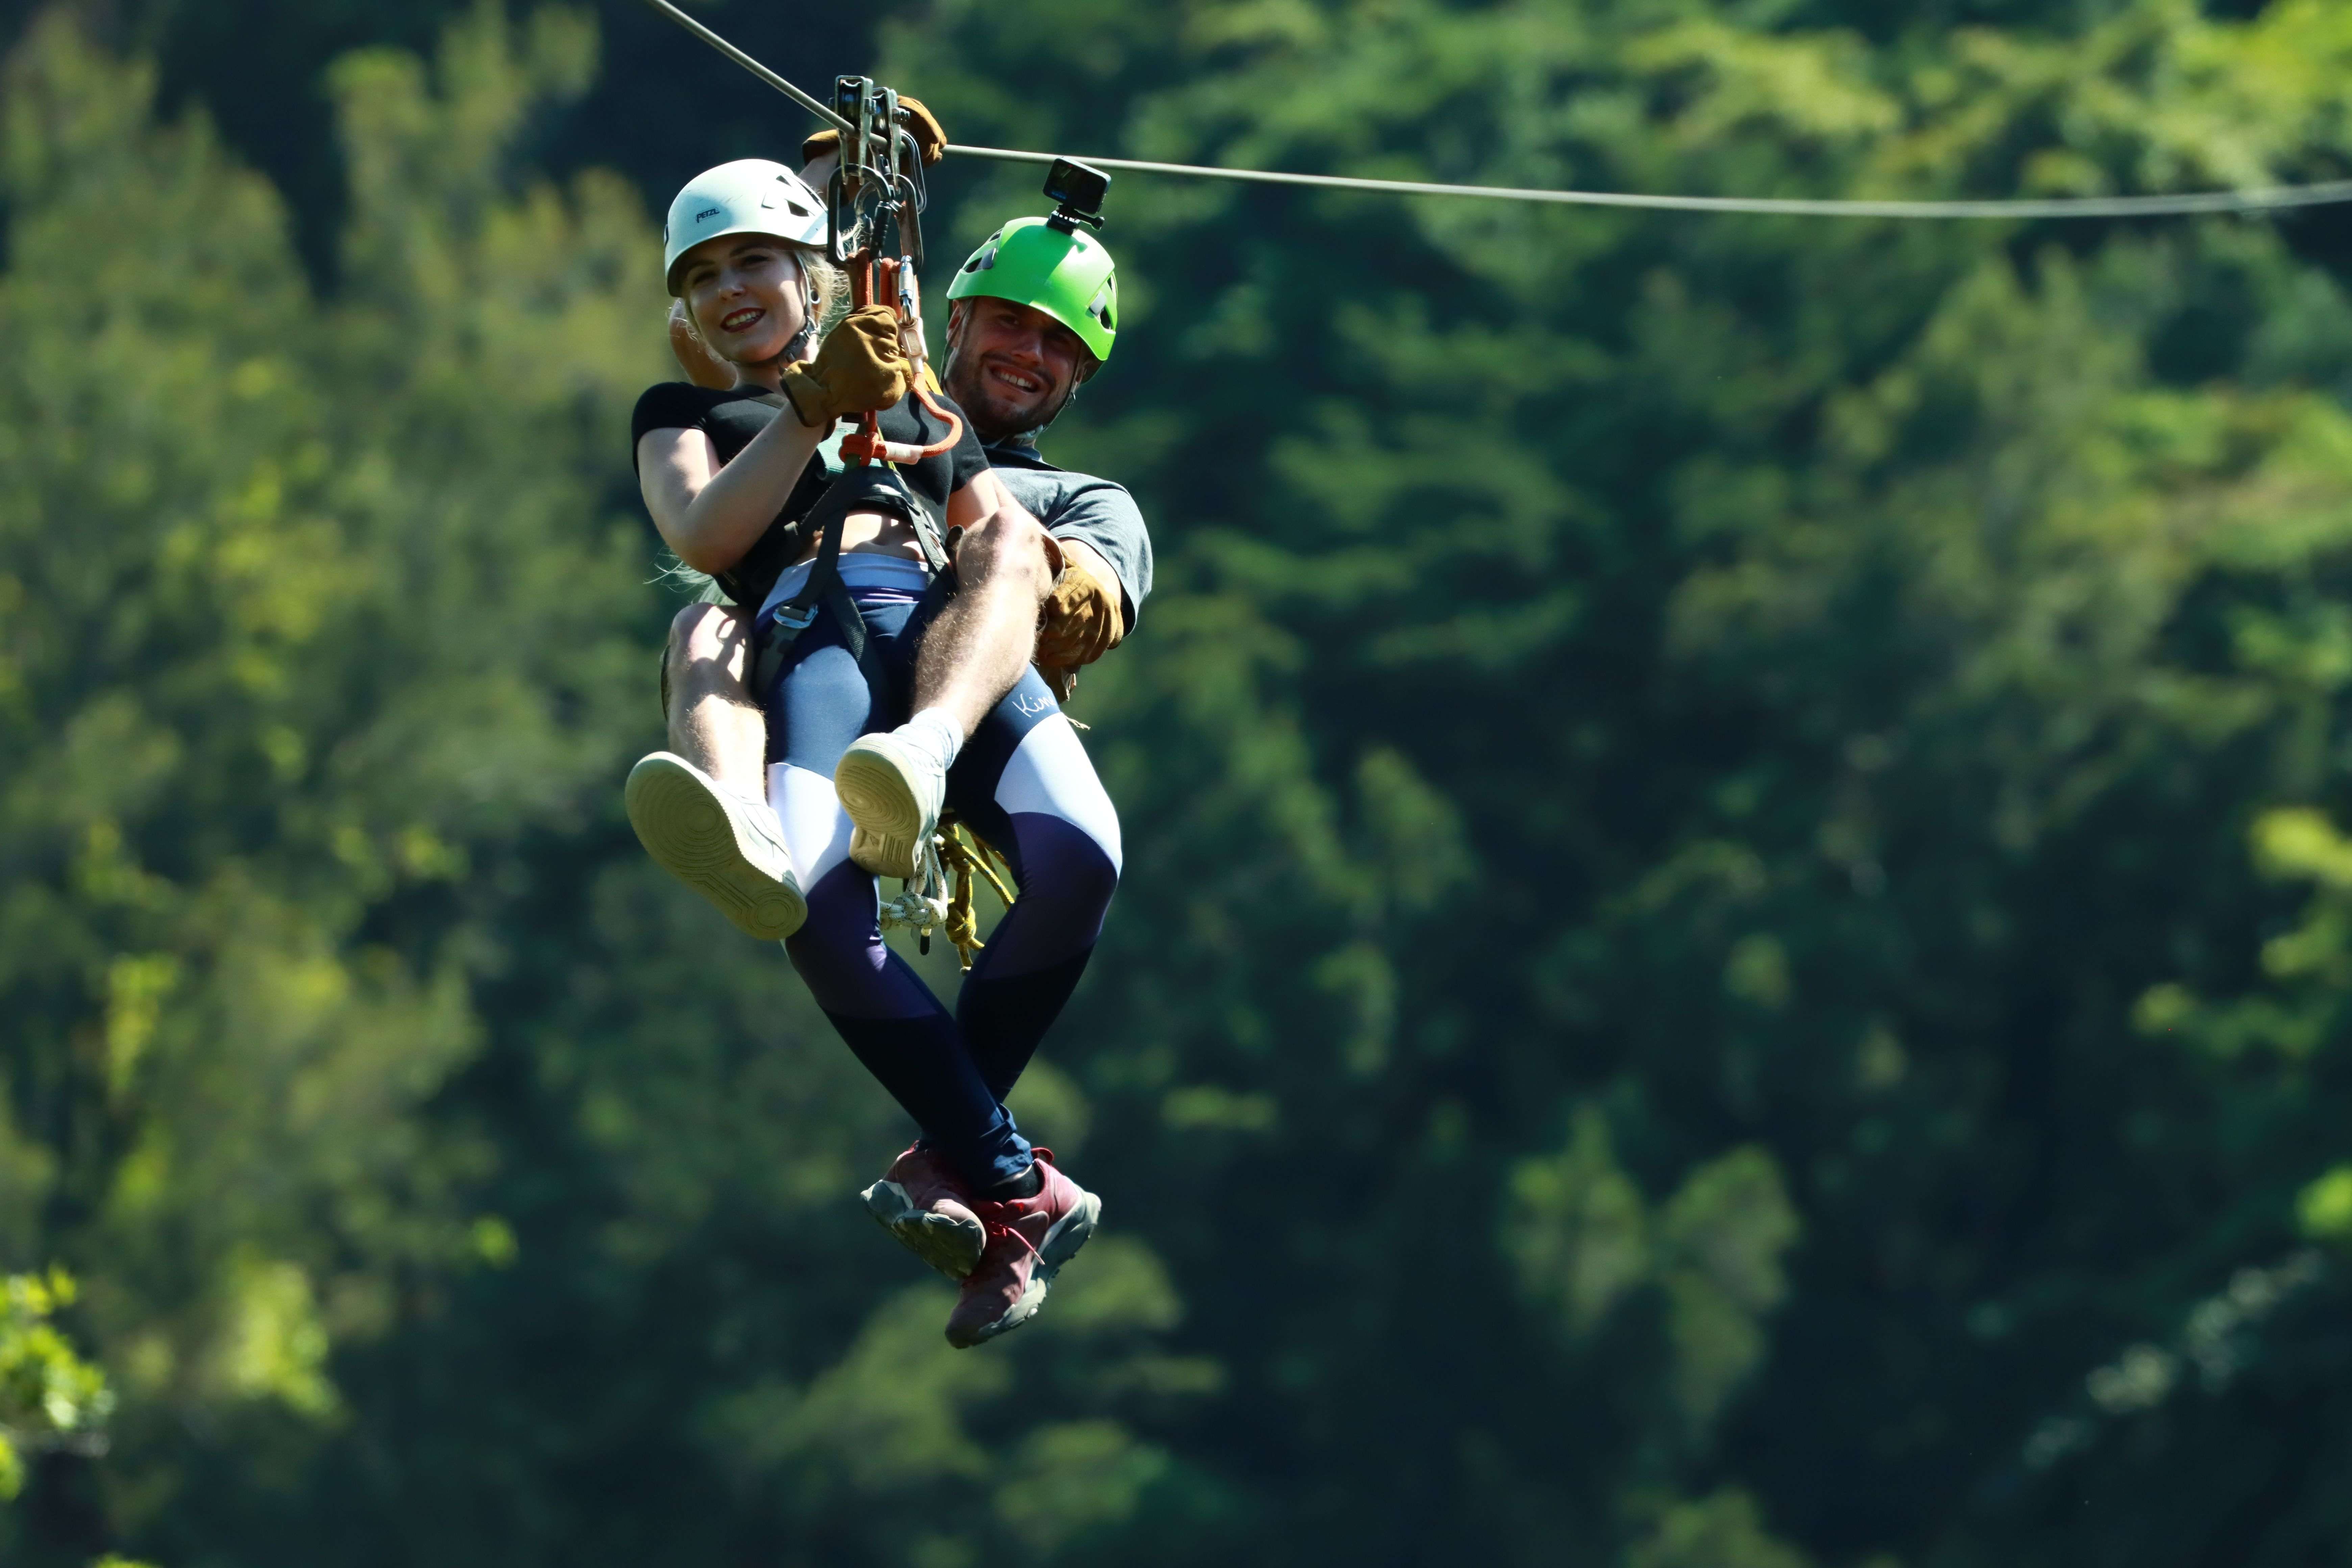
1737, 927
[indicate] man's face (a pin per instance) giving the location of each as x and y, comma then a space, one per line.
1010, 367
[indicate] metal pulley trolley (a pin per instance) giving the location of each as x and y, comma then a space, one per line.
878, 189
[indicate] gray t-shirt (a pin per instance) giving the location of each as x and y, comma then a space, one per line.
1094, 511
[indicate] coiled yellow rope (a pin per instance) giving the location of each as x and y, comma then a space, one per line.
967, 855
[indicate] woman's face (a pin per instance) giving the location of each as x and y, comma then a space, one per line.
747, 295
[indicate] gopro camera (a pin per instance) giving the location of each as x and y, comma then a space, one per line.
1077, 191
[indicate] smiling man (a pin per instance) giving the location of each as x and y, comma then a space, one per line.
1032, 317
1033, 314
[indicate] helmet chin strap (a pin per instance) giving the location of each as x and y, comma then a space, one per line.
1029, 437
798, 348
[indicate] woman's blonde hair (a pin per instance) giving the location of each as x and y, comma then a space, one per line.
828, 287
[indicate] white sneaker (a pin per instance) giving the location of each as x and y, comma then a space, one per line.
729, 849
893, 789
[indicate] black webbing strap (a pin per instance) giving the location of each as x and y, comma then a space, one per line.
943, 585
869, 488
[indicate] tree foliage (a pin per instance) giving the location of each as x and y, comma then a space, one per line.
50, 1396
1738, 911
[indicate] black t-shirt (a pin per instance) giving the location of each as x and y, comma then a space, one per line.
732, 417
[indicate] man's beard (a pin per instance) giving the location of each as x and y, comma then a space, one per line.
993, 419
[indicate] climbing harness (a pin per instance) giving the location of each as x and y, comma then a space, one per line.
2272, 198
869, 488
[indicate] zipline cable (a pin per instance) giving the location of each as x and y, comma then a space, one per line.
813, 105
2270, 198
2266, 199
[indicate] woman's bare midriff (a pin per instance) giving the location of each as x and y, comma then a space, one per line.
874, 533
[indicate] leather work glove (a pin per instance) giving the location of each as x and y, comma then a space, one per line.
861, 367
693, 355
930, 139
1081, 619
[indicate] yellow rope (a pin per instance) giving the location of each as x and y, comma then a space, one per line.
965, 853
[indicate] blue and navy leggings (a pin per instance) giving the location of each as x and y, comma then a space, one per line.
1022, 782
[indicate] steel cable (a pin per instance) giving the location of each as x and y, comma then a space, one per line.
2266, 199
749, 64
2272, 198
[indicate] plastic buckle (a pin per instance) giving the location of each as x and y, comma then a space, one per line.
795, 619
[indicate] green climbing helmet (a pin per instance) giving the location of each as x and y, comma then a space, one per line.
1065, 273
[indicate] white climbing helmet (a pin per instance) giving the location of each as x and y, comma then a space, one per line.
750, 196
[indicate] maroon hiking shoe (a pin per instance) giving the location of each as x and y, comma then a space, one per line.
1029, 1240
923, 1202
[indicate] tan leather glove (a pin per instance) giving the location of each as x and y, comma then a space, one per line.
1081, 620
930, 139
861, 367
693, 355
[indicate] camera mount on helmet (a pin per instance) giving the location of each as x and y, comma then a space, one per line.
1077, 190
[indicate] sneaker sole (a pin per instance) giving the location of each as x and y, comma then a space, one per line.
690, 835
1071, 1232
881, 803
950, 1245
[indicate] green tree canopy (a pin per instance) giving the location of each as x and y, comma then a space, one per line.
1737, 908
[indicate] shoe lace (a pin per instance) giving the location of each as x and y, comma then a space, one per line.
761, 818
992, 1212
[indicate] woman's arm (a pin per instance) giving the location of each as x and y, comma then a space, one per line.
710, 512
